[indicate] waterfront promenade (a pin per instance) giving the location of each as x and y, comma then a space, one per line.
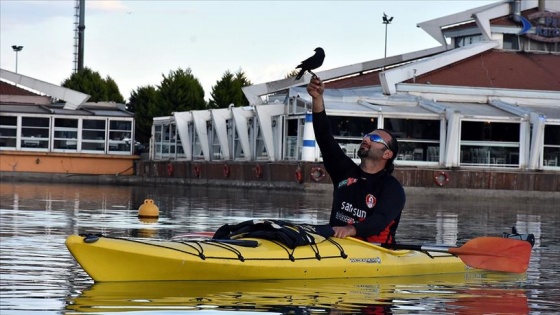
310, 177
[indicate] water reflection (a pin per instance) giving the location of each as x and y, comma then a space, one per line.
341, 296
38, 275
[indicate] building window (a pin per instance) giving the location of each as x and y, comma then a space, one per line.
169, 144
511, 42
293, 133
533, 45
165, 140
467, 40
65, 134
8, 132
35, 133
120, 138
215, 148
93, 135
237, 148
485, 143
551, 150
419, 139
197, 152
179, 148
349, 131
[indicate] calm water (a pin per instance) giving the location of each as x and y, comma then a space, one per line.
38, 275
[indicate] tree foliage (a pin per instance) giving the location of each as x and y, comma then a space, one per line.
228, 90
181, 91
145, 104
113, 92
90, 82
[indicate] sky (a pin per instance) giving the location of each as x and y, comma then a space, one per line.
137, 42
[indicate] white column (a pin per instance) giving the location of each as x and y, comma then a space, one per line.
308, 151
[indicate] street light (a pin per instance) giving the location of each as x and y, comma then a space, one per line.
386, 21
17, 49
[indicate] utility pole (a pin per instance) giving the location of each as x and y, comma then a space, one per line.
17, 49
386, 21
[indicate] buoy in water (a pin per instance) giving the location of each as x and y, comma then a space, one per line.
148, 209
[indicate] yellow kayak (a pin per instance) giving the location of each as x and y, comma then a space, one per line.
108, 259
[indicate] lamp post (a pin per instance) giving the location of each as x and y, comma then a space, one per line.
17, 49
386, 21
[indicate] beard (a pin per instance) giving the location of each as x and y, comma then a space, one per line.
363, 152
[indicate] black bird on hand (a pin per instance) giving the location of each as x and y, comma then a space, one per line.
311, 63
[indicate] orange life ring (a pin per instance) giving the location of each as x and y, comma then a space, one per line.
258, 171
441, 178
196, 170
226, 170
169, 169
317, 174
299, 175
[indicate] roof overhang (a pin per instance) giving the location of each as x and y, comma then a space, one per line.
254, 92
72, 98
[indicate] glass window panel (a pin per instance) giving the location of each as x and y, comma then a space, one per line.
552, 135
65, 134
93, 124
414, 128
92, 146
8, 131
8, 121
93, 135
511, 42
489, 131
120, 125
66, 122
551, 151
343, 126
35, 132
35, 122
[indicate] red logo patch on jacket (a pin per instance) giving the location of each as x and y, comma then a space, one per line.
370, 201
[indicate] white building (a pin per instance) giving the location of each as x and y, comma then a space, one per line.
489, 97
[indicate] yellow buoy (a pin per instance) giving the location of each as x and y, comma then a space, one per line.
148, 209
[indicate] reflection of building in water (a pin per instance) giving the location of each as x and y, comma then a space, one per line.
530, 223
447, 229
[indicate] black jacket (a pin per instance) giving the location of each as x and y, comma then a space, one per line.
371, 202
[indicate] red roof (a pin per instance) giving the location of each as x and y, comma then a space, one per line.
491, 69
500, 69
10, 89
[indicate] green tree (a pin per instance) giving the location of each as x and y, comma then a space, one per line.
181, 91
90, 82
145, 103
228, 90
113, 92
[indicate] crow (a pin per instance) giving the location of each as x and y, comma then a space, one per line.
311, 63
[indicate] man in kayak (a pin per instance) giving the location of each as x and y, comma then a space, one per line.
367, 199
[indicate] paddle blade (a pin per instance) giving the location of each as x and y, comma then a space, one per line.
495, 253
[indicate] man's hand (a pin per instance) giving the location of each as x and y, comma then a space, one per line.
344, 231
316, 87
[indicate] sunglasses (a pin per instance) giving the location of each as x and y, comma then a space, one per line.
377, 138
